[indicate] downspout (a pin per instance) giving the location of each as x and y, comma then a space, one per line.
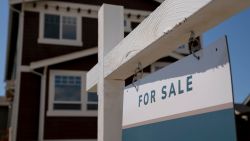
43, 76
19, 45
42, 102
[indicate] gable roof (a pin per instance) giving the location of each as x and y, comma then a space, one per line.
247, 100
20, 1
63, 58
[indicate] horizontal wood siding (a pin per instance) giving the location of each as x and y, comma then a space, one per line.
82, 64
28, 116
59, 127
71, 127
148, 5
32, 51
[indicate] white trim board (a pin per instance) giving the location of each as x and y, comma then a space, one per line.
63, 58
61, 41
84, 10
25, 69
15, 111
42, 104
84, 112
20, 1
147, 43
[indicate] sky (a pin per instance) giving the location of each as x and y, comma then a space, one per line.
237, 29
4, 11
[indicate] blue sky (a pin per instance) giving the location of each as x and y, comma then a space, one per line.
236, 28
3, 41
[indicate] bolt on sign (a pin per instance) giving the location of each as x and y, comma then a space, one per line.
190, 100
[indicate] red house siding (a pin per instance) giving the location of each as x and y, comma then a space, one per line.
83, 64
33, 51
29, 101
71, 127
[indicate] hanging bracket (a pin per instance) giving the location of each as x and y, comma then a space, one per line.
194, 45
137, 76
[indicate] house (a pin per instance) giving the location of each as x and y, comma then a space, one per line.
242, 116
4, 114
51, 46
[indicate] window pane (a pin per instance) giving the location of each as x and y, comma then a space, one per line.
69, 28
67, 106
52, 26
92, 97
67, 88
92, 106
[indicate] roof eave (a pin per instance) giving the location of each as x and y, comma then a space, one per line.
13, 2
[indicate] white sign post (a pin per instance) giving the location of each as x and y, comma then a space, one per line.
182, 94
110, 92
146, 44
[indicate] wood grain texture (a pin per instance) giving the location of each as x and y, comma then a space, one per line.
164, 30
92, 78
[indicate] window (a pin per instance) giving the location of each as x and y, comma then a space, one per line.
51, 26
67, 95
92, 103
127, 26
67, 92
60, 29
69, 28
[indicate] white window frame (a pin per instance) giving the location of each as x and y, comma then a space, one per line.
84, 95
92, 102
127, 26
60, 41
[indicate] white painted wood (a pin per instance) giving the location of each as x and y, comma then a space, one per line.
61, 41
84, 10
42, 105
110, 92
25, 68
15, 109
151, 39
92, 78
63, 58
109, 27
20, 1
110, 96
84, 112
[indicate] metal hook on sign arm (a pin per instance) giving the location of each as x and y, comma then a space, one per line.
194, 45
137, 76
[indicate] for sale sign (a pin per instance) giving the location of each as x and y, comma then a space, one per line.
188, 100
